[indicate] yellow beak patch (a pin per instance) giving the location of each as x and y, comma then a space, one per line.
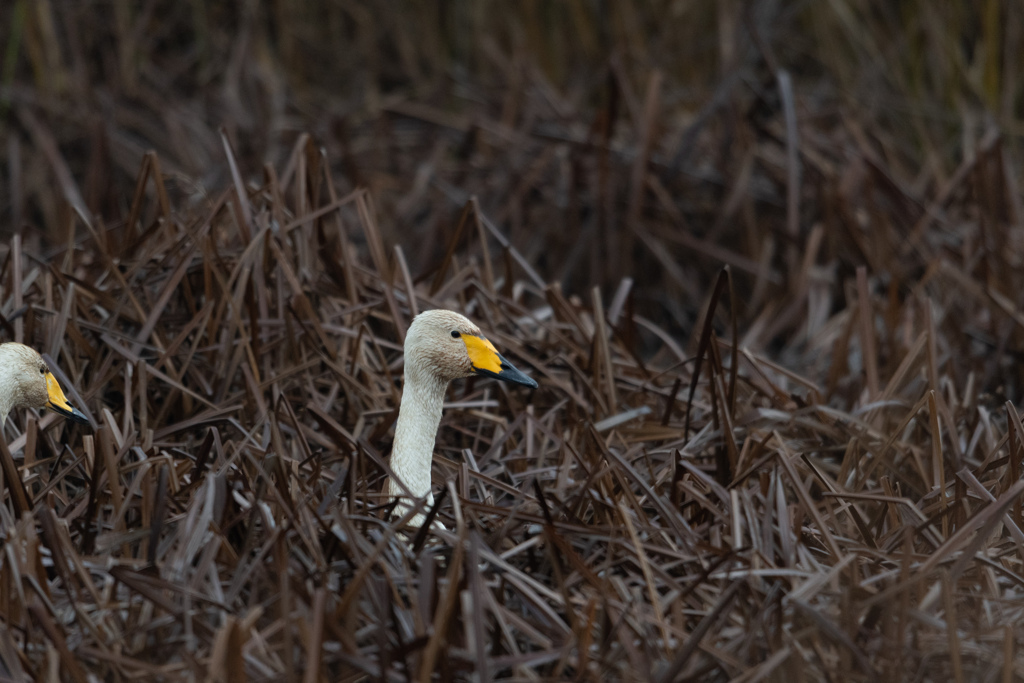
482, 353
57, 398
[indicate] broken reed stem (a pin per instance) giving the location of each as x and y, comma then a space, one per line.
867, 332
938, 465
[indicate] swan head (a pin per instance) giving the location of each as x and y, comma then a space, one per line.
444, 345
26, 382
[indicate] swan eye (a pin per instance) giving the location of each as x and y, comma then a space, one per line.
456, 334
42, 370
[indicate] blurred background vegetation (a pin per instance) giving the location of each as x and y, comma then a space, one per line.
656, 141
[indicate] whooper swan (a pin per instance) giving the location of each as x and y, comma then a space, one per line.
439, 347
26, 382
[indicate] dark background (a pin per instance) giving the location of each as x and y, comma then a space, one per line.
646, 140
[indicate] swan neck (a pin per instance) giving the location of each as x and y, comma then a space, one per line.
7, 402
419, 415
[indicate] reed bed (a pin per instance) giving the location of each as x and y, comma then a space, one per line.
776, 329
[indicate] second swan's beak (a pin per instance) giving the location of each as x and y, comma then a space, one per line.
58, 402
487, 361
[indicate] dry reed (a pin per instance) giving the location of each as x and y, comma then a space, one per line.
776, 435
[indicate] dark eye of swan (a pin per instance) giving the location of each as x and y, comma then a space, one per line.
42, 371
456, 334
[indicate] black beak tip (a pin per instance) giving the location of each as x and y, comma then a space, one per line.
71, 413
529, 382
509, 373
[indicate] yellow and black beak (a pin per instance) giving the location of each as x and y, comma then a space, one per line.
59, 403
487, 361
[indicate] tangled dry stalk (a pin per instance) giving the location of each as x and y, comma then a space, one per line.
652, 519
776, 328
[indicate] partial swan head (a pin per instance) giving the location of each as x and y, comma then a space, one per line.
444, 345
26, 382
